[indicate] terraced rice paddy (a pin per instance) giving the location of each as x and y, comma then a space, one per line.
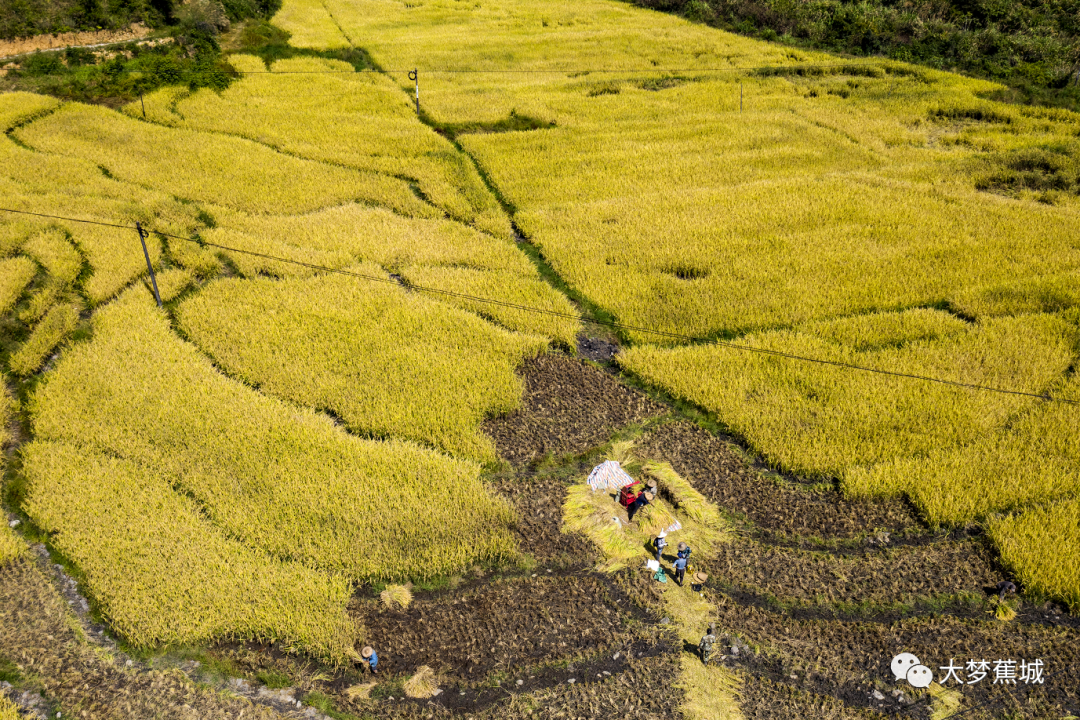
326, 404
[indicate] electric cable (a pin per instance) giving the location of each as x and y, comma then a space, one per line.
581, 318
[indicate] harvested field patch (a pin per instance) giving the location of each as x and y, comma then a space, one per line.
568, 407
718, 472
38, 634
538, 504
499, 625
639, 685
896, 575
846, 659
763, 699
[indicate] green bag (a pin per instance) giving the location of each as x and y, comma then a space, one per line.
660, 576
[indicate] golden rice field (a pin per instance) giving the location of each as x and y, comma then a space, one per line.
388, 362
291, 509
1022, 538
848, 199
56, 254
950, 449
236, 464
357, 120
162, 573
46, 335
231, 171
444, 254
11, 545
15, 275
278, 477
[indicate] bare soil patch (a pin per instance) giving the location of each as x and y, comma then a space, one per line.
719, 473
538, 502
568, 407
501, 625
637, 686
21, 46
850, 660
899, 575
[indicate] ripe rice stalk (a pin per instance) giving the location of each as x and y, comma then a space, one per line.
654, 517
422, 684
172, 282
1004, 611
1023, 539
8, 709
528, 291
593, 515
15, 274
56, 254
396, 596
57, 324
621, 452
686, 499
11, 545
43, 299
944, 702
361, 691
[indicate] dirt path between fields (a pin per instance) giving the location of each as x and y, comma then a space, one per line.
95, 38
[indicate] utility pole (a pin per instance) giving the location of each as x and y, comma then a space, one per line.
415, 77
146, 253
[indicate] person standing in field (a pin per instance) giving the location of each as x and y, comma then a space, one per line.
660, 543
684, 551
680, 570
706, 644
371, 659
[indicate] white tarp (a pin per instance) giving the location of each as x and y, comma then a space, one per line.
608, 476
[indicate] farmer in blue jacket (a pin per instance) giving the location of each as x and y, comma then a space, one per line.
680, 569
371, 659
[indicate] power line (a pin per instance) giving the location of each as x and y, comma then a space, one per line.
604, 323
